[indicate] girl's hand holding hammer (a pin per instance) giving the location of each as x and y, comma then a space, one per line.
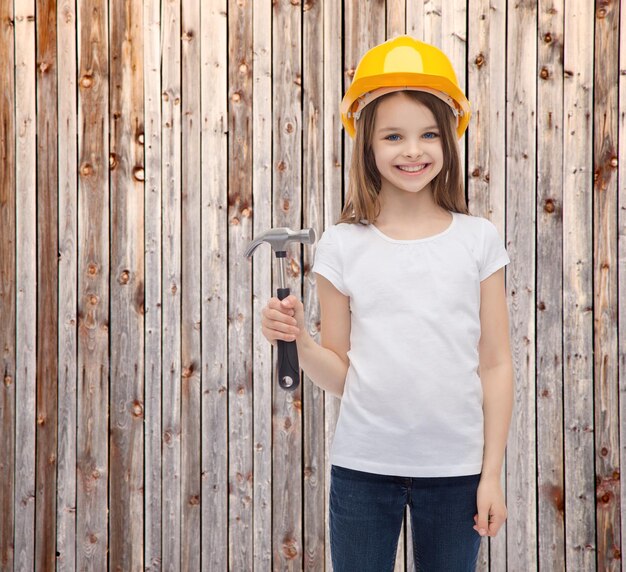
283, 320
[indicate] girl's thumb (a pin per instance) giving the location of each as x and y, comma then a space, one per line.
286, 302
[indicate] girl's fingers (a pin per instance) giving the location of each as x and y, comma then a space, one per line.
276, 334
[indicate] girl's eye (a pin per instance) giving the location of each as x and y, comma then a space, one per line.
393, 137
431, 135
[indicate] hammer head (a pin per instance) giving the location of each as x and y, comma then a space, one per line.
278, 238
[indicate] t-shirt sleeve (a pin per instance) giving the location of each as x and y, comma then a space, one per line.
328, 261
494, 255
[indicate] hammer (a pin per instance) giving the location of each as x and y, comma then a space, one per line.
288, 364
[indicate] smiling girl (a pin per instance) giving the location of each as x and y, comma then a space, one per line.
414, 327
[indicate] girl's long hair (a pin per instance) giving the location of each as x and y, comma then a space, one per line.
362, 204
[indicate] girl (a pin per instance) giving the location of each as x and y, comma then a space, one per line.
415, 336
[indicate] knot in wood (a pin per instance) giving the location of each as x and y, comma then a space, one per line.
95, 474
137, 408
480, 60
286, 204
549, 206
476, 172
138, 173
601, 13
86, 81
41, 420
613, 162
124, 277
282, 166
289, 128
194, 500
243, 69
547, 38
43, 67
93, 299
544, 73
604, 451
350, 72
8, 380
92, 269
112, 161
294, 267
236, 97
86, 170
290, 548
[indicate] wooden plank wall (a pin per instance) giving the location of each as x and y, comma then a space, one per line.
145, 143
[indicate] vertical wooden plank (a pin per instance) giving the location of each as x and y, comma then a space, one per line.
153, 283
240, 469
621, 270
7, 284
47, 256
287, 205
214, 167
312, 200
550, 461
127, 286
415, 19
577, 286
68, 257
433, 22
520, 163
486, 156
263, 381
364, 26
191, 267
332, 176
171, 252
605, 285
454, 45
396, 18
93, 285
26, 284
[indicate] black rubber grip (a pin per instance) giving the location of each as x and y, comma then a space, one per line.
288, 363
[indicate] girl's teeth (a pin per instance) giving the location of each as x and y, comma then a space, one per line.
411, 169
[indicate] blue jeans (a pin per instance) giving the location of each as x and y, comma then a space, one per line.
366, 513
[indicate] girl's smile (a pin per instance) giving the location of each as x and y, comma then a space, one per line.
413, 170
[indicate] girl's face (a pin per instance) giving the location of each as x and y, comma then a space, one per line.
406, 145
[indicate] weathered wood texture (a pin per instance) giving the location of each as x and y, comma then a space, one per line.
145, 143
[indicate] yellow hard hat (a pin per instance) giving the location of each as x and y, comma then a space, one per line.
399, 64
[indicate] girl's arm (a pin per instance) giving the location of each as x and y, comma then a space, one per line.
326, 364
496, 375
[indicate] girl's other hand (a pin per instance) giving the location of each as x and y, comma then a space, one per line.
491, 507
283, 320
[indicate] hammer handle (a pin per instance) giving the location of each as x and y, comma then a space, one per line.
288, 364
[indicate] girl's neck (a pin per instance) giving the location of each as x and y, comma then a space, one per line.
403, 209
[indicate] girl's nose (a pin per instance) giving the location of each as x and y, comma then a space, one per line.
412, 149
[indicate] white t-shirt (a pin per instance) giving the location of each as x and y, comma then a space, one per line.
412, 402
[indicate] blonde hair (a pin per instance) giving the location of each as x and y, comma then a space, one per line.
362, 202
